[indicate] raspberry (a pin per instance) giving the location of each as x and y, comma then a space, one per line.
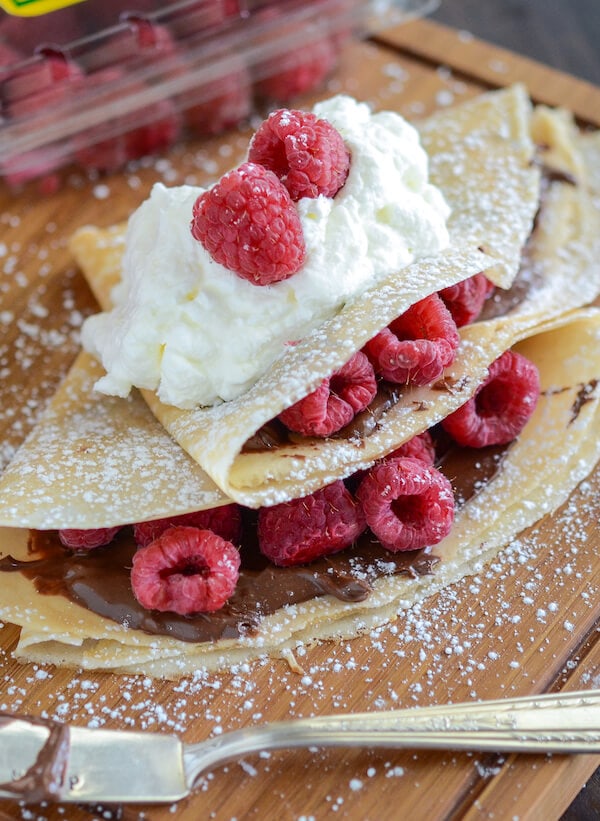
146, 131
335, 402
465, 299
226, 104
407, 504
417, 346
35, 90
501, 406
419, 447
186, 570
87, 539
298, 70
292, 74
8, 54
304, 529
307, 154
248, 223
225, 521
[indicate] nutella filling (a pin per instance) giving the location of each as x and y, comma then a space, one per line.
584, 395
99, 579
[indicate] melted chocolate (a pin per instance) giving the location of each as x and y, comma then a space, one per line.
99, 581
43, 781
584, 395
274, 434
470, 469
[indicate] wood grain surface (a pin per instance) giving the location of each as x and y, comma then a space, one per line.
563, 34
525, 624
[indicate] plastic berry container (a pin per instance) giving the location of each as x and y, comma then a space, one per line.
102, 82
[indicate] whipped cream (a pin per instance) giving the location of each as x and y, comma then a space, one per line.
198, 334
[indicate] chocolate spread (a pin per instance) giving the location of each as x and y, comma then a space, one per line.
99, 579
43, 781
584, 395
274, 434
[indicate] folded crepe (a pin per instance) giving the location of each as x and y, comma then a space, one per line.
107, 461
482, 157
556, 450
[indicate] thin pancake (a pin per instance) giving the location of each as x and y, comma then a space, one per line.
556, 450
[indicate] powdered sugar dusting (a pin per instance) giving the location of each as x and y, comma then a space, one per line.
515, 608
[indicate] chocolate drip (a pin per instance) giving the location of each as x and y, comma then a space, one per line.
43, 781
367, 422
584, 395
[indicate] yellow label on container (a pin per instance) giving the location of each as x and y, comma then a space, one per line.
34, 8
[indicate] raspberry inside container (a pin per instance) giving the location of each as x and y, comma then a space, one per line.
99, 83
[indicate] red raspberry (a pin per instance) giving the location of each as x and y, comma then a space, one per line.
34, 91
186, 570
160, 129
8, 54
465, 299
87, 539
501, 406
248, 223
335, 402
225, 521
307, 154
407, 504
304, 529
147, 130
419, 447
225, 104
285, 75
417, 346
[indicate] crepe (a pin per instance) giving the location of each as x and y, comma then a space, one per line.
499, 158
556, 450
487, 133
482, 159
98, 443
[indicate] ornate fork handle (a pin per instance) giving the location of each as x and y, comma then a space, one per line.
563, 723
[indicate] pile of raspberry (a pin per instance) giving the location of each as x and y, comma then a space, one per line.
34, 88
248, 221
190, 564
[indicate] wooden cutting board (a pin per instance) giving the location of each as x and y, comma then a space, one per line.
526, 624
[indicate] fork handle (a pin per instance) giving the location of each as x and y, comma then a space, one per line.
562, 723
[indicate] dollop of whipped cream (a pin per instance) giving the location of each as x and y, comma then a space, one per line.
196, 333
